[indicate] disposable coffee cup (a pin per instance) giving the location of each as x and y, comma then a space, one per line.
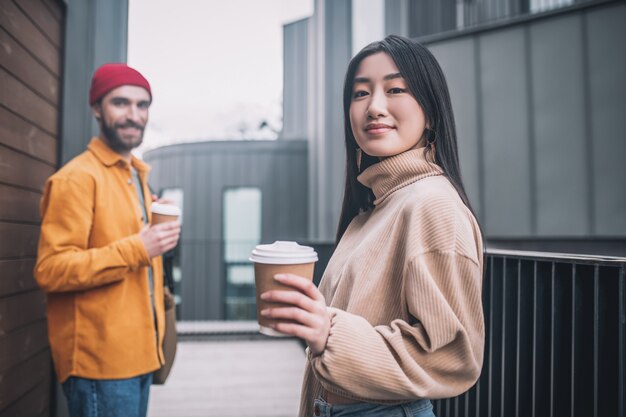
162, 213
281, 257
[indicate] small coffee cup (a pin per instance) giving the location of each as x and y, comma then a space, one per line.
162, 213
281, 257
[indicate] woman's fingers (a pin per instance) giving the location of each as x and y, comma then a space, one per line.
295, 314
294, 298
295, 329
302, 284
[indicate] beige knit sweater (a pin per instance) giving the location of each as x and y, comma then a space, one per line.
404, 290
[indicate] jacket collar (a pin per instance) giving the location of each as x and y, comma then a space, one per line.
109, 157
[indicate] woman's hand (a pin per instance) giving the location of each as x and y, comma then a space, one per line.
307, 310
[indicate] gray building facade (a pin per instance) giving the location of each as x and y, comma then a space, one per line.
96, 32
539, 97
295, 80
235, 194
540, 106
330, 41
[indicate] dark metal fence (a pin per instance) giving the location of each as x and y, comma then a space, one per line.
555, 338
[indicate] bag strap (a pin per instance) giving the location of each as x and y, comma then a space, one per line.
168, 261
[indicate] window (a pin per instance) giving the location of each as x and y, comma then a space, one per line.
242, 232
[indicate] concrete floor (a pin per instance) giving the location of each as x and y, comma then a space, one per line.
254, 378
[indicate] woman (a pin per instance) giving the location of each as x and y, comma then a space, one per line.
404, 321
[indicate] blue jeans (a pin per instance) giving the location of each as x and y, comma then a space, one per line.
108, 397
419, 408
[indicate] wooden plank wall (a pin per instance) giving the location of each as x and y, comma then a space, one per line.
31, 39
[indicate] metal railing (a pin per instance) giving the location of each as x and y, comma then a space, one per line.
555, 338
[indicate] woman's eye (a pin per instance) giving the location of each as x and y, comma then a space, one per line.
358, 94
397, 90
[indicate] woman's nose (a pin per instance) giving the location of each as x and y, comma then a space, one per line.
378, 106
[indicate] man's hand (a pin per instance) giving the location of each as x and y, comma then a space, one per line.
160, 238
156, 199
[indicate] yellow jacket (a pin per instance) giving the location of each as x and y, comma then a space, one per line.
93, 265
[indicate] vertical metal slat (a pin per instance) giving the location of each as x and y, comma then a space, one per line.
534, 354
596, 331
477, 410
466, 397
573, 344
503, 341
552, 337
622, 349
519, 338
490, 383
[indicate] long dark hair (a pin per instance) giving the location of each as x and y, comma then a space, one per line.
427, 84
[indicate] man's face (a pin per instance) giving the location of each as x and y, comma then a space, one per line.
123, 115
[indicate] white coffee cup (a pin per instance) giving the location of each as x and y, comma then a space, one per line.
281, 257
162, 213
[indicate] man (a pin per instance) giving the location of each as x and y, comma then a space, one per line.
100, 263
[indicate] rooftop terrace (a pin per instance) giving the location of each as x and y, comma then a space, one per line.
227, 369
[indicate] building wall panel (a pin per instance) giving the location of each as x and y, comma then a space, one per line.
19, 134
332, 43
45, 20
30, 68
17, 276
606, 62
295, 78
463, 85
23, 65
549, 108
559, 129
19, 24
19, 205
21, 99
35, 402
21, 344
55, 8
21, 310
16, 386
21, 170
505, 133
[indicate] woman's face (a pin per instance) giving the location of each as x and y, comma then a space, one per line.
386, 119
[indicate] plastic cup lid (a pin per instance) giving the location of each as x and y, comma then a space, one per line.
283, 253
165, 209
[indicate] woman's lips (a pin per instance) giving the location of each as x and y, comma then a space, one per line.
377, 129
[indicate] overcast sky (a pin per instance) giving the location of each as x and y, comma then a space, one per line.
215, 67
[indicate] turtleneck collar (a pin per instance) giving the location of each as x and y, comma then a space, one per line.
398, 171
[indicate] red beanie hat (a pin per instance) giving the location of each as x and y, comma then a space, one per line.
110, 76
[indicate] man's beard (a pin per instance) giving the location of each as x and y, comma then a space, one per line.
114, 140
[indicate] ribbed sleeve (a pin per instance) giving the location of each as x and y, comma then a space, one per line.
439, 356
